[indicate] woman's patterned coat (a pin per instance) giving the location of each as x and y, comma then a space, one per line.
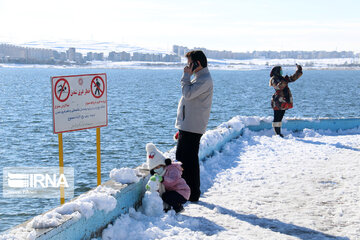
282, 98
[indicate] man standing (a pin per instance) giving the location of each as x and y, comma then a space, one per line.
192, 117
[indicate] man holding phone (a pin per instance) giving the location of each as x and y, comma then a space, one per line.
192, 117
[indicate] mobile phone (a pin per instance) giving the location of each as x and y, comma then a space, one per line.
194, 65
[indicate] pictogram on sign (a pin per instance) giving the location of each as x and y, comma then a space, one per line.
62, 90
97, 87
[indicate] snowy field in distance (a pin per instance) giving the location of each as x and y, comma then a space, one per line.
89, 46
305, 186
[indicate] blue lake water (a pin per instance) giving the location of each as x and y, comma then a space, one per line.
142, 108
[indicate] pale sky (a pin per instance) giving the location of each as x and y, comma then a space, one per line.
236, 25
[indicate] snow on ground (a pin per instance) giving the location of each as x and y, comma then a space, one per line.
305, 186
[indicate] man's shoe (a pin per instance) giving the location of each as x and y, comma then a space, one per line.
179, 209
194, 199
194, 196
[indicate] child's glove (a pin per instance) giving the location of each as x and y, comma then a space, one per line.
156, 178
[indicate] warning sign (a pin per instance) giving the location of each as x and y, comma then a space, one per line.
79, 102
97, 87
62, 90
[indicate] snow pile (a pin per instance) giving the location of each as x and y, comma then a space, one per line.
50, 219
20, 234
152, 204
124, 175
98, 199
130, 226
261, 186
137, 226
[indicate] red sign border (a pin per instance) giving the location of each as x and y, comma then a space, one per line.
52, 96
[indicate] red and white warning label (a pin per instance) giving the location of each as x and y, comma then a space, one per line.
79, 102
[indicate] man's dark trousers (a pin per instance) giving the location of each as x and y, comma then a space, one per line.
187, 152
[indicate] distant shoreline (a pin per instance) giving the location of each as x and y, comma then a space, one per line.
241, 65
229, 68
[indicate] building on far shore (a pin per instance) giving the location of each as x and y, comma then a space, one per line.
119, 56
71, 52
15, 54
215, 54
24, 55
142, 57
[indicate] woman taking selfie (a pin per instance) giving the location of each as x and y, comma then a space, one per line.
282, 99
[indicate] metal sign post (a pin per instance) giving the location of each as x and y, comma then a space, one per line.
98, 154
61, 167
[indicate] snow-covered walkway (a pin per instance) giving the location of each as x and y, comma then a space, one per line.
305, 186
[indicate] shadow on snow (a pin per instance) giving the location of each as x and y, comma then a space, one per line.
275, 225
202, 224
337, 145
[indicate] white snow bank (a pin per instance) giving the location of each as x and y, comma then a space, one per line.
50, 219
124, 175
224, 132
20, 234
261, 186
101, 198
213, 140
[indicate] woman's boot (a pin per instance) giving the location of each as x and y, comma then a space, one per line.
277, 128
